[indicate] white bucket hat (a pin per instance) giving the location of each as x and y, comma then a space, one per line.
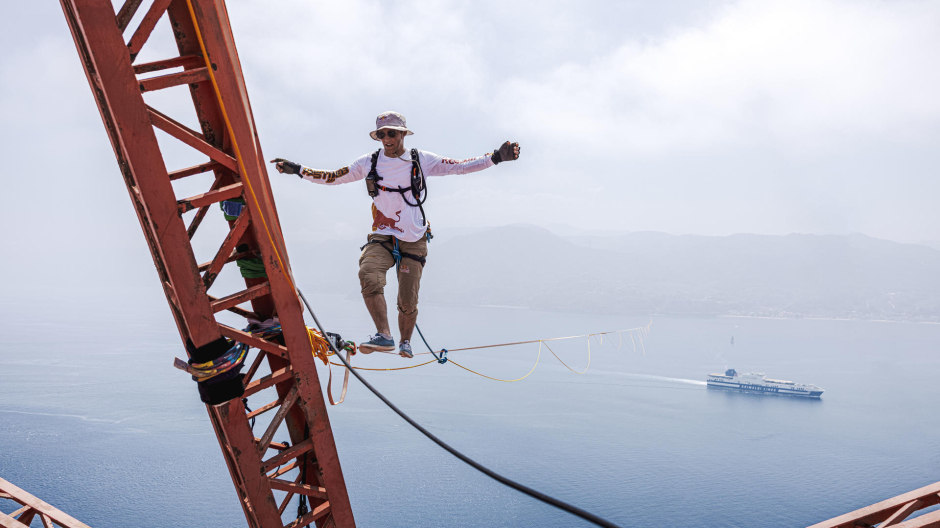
390, 120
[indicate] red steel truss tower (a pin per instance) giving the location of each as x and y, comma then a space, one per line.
208, 64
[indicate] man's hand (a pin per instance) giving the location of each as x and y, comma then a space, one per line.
506, 152
286, 167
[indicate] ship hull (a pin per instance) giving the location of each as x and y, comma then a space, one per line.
764, 389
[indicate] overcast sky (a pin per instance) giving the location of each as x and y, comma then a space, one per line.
703, 117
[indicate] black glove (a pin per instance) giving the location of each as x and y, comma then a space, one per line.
505, 152
287, 167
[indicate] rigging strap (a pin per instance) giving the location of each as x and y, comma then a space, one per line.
396, 252
417, 187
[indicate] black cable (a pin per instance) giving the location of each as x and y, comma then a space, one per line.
574, 510
253, 418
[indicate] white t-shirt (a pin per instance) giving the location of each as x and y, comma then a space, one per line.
391, 215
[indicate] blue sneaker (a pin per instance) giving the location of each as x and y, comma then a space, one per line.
377, 342
404, 349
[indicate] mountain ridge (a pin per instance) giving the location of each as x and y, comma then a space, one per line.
797, 275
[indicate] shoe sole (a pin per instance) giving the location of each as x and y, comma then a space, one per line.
406, 355
367, 348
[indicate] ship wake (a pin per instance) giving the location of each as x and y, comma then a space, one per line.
657, 378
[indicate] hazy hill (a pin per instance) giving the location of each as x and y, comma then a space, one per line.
796, 275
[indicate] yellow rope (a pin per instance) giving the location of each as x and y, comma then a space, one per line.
566, 365
319, 345
638, 329
385, 369
497, 379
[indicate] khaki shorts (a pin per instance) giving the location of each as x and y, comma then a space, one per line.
375, 261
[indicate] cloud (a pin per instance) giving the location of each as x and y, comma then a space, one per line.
688, 116
804, 74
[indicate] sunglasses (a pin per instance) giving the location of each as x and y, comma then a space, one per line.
381, 134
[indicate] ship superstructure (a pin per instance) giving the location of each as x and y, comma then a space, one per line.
756, 382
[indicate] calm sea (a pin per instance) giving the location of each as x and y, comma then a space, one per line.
94, 419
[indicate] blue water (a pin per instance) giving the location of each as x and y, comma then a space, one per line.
94, 419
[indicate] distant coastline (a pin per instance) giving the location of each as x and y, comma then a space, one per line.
830, 277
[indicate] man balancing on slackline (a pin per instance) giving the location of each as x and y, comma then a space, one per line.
395, 181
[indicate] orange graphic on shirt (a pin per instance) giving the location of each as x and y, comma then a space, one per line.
380, 221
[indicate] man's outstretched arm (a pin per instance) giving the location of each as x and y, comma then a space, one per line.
445, 166
344, 175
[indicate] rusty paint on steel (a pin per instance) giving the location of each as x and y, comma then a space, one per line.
111, 77
275, 445
266, 407
220, 46
928, 520
313, 515
231, 426
289, 496
233, 238
212, 123
289, 402
208, 198
190, 137
239, 297
195, 169
201, 213
127, 12
110, 124
231, 258
187, 62
244, 337
259, 357
265, 382
33, 506
297, 428
300, 489
903, 513
203, 96
143, 31
286, 469
174, 79
129, 122
289, 454
247, 314
880, 512
7, 521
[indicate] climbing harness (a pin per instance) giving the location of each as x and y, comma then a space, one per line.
397, 254
395, 251
417, 189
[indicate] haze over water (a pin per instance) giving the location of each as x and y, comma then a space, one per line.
97, 422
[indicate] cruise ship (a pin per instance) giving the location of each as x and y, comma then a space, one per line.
756, 382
